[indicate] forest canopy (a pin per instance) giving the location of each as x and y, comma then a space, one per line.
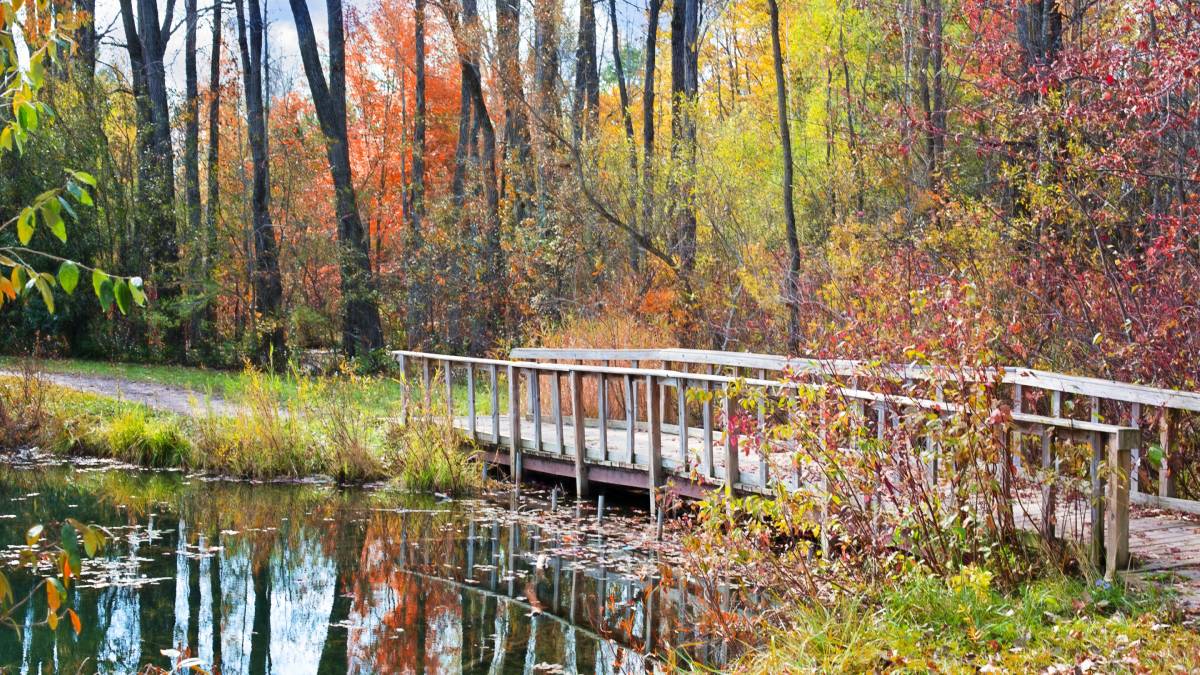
1003, 181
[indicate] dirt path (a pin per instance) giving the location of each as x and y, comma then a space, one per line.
174, 399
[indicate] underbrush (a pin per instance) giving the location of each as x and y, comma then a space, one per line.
279, 426
925, 623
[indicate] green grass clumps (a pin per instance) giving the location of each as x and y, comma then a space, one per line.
137, 437
924, 623
280, 426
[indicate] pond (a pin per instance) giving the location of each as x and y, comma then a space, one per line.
313, 578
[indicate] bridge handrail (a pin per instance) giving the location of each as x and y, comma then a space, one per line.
1113, 390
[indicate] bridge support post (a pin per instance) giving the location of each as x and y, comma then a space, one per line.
654, 420
1116, 516
514, 421
581, 477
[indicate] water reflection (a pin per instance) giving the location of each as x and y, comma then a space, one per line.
304, 579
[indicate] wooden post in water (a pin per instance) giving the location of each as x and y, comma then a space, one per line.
581, 478
654, 419
1120, 449
514, 421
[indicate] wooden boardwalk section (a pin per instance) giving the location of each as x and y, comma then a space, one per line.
670, 419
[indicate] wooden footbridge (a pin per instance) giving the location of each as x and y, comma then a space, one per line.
671, 419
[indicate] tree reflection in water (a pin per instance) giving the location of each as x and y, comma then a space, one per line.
309, 578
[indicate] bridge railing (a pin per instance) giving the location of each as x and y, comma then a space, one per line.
703, 448
1155, 411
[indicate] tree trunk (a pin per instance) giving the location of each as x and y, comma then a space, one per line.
361, 330
516, 122
648, 118
685, 18
191, 144
416, 318
213, 206
466, 120
268, 287
635, 251
791, 292
586, 111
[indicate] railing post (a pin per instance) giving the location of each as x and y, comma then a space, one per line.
535, 406
732, 474
1166, 440
448, 375
494, 377
1050, 488
1135, 421
1120, 464
654, 420
630, 416
706, 449
514, 421
581, 479
427, 385
1097, 485
681, 390
404, 389
472, 428
556, 402
602, 412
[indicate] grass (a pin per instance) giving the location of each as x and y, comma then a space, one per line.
280, 427
379, 395
924, 623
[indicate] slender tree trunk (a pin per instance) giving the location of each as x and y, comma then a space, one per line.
466, 120
416, 314
213, 206
191, 145
635, 251
361, 330
648, 118
516, 153
791, 292
268, 287
586, 111
685, 17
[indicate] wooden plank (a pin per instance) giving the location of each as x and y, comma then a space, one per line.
514, 421
654, 422
581, 477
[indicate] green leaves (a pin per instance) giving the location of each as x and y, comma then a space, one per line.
68, 276
25, 225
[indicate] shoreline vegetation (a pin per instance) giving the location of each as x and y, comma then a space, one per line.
864, 612
273, 427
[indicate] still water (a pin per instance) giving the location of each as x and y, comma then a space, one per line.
310, 578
